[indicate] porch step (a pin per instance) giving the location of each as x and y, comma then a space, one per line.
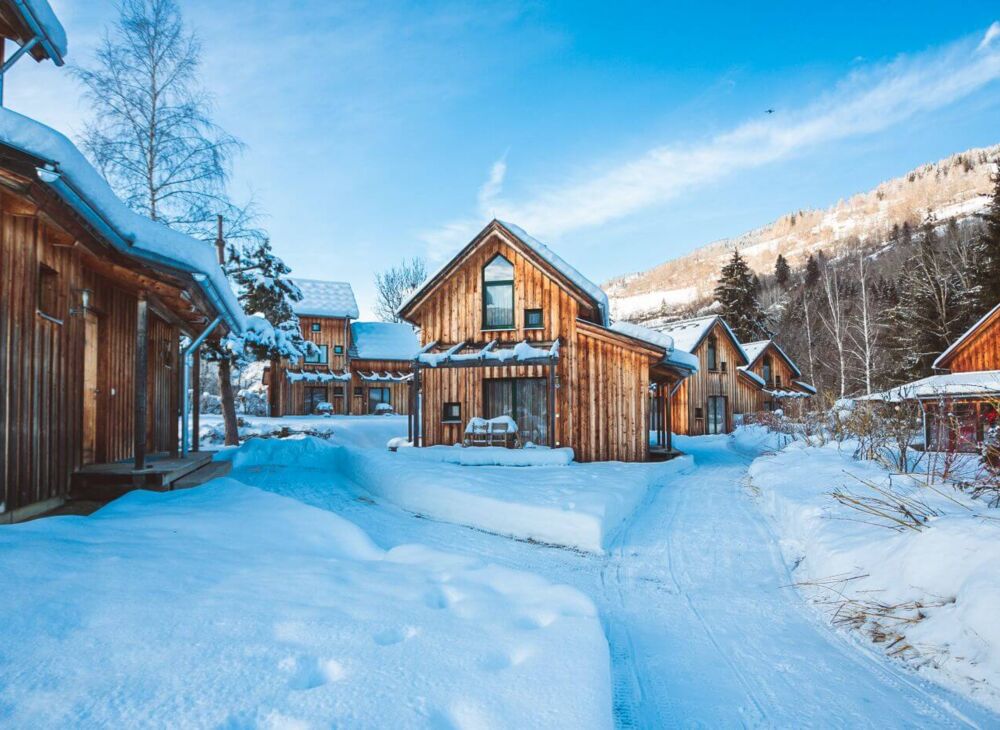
103, 482
206, 473
658, 454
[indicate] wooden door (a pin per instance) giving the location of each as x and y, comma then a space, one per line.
716, 414
91, 388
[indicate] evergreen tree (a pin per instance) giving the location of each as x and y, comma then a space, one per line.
782, 271
736, 293
812, 271
987, 272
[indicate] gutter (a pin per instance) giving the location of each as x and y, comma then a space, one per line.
36, 28
66, 191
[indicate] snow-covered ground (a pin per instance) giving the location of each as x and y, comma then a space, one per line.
228, 606
262, 610
363, 431
930, 596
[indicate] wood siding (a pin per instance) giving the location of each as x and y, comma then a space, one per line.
750, 397
288, 398
980, 351
399, 391
41, 363
693, 393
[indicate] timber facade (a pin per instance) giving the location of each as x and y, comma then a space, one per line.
771, 381
509, 329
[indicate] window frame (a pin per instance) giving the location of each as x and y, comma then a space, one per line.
446, 418
712, 354
498, 283
541, 318
316, 327
324, 356
47, 300
338, 349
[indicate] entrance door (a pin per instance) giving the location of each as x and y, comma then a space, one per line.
716, 420
523, 399
91, 391
313, 397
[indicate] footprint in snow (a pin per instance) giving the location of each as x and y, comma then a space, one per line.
395, 635
308, 672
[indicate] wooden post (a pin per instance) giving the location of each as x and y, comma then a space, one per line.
668, 426
551, 402
195, 398
141, 377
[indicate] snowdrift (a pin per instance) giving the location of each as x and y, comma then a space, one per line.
227, 606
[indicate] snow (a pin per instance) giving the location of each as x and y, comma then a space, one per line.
490, 353
579, 506
951, 567
50, 25
139, 236
499, 456
383, 341
943, 357
673, 356
753, 376
627, 306
689, 333
981, 383
229, 606
360, 431
325, 299
487, 424
310, 376
805, 386
755, 349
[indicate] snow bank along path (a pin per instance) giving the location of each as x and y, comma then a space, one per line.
574, 505
227, 606
955, 561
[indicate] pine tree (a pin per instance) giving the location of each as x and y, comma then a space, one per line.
812, 271
782, 271
737, 295
987, 276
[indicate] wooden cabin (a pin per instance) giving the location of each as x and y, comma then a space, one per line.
771, 381
362, 367
705, 403
93, 301
962, 401
508, 328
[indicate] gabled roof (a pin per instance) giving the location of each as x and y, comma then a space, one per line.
982, 383
673, 356
383, 341
688, 334
583, 286
25, 20
325, 299
754, 350
62, 167
986, 320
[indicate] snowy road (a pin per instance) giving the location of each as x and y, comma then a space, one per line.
702, 627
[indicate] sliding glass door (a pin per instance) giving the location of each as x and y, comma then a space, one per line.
523, 399
716, 421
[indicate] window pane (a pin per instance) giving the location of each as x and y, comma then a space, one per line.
499, 305
498, 269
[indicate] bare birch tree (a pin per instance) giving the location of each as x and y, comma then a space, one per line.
395, 284
863, 329
834, 318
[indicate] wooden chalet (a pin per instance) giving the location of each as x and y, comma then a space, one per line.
705, 403
960, 402
362, 367
770, 381
508, 328
93, 302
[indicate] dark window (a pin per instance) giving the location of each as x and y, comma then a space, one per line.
338, 391
712, 354
769, 405
722, 366
452, 413
533, 319
377, 396
523, 399
359, 392
315, 327
322, 359
338, 349
498, 294
48, 292
313, 397
699, 413
716, 422
777, 381
768, 373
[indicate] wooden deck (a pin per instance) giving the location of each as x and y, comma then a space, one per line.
659, 453
107, 481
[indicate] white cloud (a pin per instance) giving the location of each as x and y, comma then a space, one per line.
868, 100
991, 34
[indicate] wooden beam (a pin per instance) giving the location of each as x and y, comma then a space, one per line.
141, 379
195, 399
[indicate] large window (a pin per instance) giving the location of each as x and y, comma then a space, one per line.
712, 353
768, 371
322, 358
523, 399
377, 396
498, 294
48, 292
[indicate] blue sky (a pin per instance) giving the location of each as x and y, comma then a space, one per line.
623, 134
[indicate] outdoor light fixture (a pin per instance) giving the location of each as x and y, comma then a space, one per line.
86, 295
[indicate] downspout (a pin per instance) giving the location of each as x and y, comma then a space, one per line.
186, 408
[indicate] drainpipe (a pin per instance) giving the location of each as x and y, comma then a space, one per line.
187, 358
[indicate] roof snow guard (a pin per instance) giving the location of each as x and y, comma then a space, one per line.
386, 377
325, 299
489, 355
33, 25
307, 376
65, 170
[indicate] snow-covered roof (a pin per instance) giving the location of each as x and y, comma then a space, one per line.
805, 386
325, 299
755, 349
952, 385
585, 285
673, 356
752, 375
383, 341
42, 22
944, 356
688, 333
69, 174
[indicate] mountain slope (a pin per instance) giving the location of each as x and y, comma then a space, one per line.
955, 187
